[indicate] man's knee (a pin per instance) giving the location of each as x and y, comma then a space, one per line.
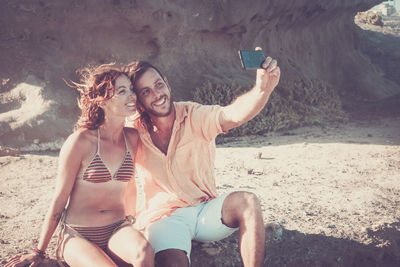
243, 201
172, 258
240, 205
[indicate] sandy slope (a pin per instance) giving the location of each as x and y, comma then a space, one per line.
334, 190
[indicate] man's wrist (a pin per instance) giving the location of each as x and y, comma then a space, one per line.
262, 90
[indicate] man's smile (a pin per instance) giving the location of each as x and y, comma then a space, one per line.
160, 102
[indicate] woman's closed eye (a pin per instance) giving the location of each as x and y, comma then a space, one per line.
122, 91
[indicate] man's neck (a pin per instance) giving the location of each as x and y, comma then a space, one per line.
160, 130
163, 124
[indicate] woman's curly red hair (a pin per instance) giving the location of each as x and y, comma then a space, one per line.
96, 85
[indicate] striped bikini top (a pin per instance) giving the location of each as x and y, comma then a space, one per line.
97, 171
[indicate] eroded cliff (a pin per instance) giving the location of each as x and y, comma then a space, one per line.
44, 42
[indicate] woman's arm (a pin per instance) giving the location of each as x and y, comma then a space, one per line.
69, 162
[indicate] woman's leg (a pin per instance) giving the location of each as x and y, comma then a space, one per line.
131, 246
77, 251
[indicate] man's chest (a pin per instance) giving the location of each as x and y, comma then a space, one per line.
161, 141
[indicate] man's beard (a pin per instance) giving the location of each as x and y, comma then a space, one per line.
154, 113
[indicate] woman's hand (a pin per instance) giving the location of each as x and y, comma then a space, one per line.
33, 258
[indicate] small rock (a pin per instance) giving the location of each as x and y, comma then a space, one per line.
274, 232
258, 155
212, 251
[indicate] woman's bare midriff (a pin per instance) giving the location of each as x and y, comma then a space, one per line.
96, 204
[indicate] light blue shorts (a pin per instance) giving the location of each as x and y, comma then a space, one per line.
201, 223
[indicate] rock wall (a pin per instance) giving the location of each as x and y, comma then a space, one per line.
43, 42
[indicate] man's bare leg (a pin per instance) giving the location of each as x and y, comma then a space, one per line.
242, 209
172, 258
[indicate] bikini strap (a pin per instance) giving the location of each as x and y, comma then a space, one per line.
98, 141
126, 145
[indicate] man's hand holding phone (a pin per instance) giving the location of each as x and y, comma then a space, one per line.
268, 72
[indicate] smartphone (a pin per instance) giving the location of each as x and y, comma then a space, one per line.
251, 59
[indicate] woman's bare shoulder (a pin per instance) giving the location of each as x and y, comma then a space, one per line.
82, 140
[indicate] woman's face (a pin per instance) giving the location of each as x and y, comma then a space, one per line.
123, 102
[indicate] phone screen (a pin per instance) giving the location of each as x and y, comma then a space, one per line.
251, 59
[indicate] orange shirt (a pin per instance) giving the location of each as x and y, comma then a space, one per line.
185, 176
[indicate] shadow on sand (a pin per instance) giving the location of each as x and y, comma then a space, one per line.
293, 248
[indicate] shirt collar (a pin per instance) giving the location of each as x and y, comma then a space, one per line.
180, 112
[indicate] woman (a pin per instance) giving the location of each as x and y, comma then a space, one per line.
96, 164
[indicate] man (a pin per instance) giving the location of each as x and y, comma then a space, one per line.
176, 161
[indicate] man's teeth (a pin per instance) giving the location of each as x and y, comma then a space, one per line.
130, 105
161, 101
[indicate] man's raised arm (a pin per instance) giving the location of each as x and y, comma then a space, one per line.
248, 105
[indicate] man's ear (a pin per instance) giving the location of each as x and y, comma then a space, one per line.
166, 81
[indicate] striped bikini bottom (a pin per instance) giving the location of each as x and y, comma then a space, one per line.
99, 235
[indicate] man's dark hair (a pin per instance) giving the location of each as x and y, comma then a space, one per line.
138, 68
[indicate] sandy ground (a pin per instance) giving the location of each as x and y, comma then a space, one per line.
332, 194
